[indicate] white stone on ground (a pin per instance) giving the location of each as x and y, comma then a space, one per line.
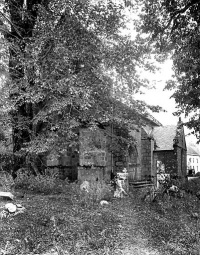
10, 207
6, 195
104, 202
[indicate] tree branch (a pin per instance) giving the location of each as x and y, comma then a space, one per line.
10, 22
177, 13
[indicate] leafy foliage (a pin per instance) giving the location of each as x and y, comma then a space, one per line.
174, 29
70, 63
42, 183
6, 182
192, 186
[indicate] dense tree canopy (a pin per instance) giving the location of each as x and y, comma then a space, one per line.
70, 62
174, 28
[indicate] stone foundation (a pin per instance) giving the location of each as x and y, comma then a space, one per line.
91, 173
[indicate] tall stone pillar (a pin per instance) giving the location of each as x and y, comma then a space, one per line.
147, 146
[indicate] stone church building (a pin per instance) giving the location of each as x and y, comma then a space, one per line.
105, 150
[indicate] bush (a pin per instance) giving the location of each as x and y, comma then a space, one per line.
40, 184
98, 191
6, 181
22, 181
6, 160
192, 186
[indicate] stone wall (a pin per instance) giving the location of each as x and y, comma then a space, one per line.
174, 161
134, 167
95, 155
94, 173
184, 163
94, 158
168, 158
66, 163
181, 161
92, 147
181, 151
147, 147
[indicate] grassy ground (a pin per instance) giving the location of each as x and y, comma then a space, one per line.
172, 224
69, 223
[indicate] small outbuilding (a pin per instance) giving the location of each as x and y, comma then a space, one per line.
170, 151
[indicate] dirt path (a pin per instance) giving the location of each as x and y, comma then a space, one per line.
133, 240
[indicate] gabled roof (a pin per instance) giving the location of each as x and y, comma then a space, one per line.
152, 120
164, 137
192, 151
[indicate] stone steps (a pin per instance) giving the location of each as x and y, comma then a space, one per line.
140, 184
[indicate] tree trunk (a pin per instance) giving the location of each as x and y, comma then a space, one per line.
22, 19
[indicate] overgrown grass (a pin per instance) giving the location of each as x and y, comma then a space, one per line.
192, 186
61, 219
71, 222
171, 224
45, 184
55, 223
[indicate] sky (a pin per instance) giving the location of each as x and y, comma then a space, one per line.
155, 96
158, 96
161, 97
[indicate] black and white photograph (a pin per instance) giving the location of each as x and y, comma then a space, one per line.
99, 127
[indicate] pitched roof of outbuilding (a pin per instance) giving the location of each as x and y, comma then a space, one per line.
192, 151
164, 137
152, 120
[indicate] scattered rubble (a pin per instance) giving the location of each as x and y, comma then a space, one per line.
11, 209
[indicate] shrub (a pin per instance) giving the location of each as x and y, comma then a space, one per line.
52, 172
22, 181
98, 191
6, 159
6, 181
192, 186
40, 184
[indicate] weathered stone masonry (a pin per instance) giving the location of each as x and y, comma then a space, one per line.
147, 147
171, 150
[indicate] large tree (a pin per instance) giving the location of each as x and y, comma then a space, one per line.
174, 28
70, 62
